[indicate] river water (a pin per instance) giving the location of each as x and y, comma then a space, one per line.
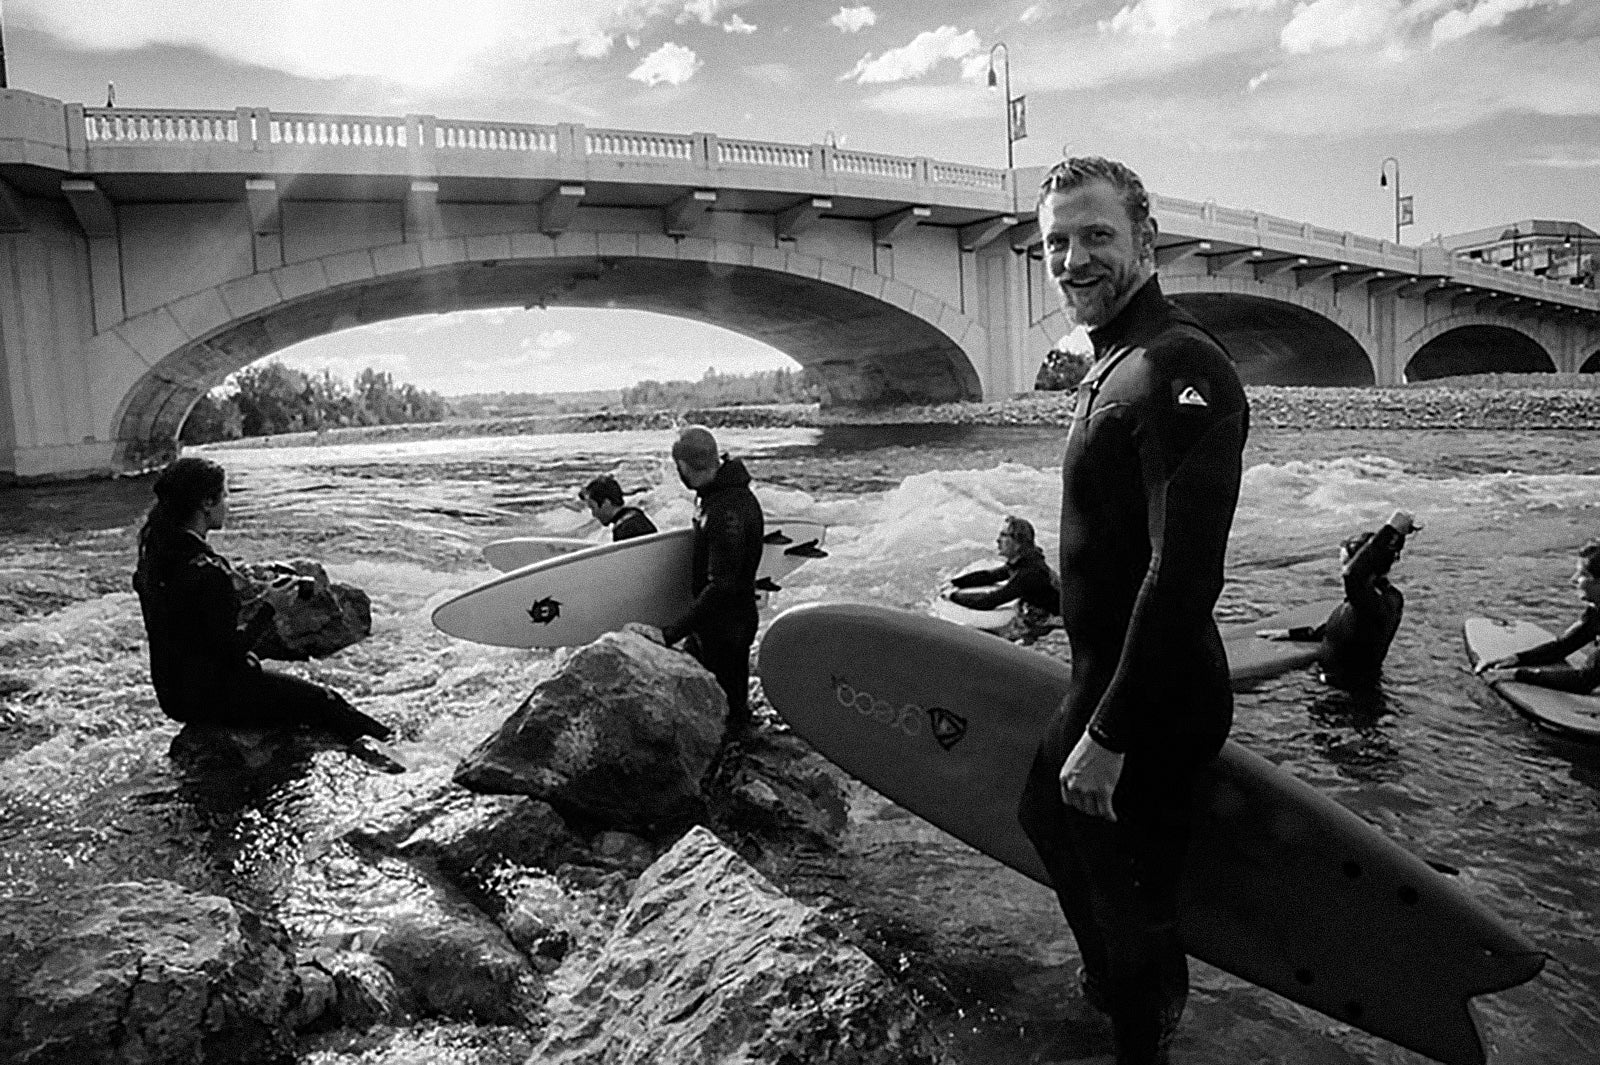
1440, 763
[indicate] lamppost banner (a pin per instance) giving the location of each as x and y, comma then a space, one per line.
1019, 118
1407, 215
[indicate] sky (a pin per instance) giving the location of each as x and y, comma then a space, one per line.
1492, 108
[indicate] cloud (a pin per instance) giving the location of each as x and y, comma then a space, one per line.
417, 43
737, 25
935, 103
926, 51
1561, 161
1032, 15
854, 19
1486, 14
403, 41
1325, 24
1168, 18
772, 73
671, 63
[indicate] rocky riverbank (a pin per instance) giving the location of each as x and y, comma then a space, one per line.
1510, 402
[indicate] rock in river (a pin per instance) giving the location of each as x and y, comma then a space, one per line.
710, 963
621, 734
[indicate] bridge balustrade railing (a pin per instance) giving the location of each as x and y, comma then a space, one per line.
873, 165
121, 125
355, 131
495, 137
742, 153
639, 145
973, 177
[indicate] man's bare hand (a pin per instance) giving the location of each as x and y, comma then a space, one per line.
1089, 778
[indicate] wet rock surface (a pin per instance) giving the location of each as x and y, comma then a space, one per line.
621, 734
147, 971
712, 963
328, 616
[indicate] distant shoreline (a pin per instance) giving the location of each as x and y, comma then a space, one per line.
1432, 406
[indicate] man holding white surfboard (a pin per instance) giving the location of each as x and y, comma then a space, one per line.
1150, 479
728, 540
603, 497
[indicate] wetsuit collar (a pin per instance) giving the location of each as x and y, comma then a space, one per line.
1146, 302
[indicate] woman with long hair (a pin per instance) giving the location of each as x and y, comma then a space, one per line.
201, 664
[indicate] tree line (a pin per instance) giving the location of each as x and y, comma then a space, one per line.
725, 390
272, 398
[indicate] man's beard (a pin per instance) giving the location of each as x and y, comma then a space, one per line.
1093, 307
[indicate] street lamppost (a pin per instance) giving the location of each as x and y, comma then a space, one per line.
1402, 204
1016, 122
1578, 277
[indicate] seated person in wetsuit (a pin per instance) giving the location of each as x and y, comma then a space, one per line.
603, 495
201, 664
1026, 576
1546, 665
1356, 637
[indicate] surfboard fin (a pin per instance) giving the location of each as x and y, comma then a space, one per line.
776, 537
767, 584
809, 549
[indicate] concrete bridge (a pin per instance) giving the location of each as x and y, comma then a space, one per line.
148, 254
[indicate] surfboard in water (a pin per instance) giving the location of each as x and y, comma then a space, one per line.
790, 544
1284, 888
575, 597
1570, 714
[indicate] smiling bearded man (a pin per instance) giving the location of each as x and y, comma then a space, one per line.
1149, 483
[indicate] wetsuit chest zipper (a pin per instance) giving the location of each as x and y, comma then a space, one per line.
1089, 390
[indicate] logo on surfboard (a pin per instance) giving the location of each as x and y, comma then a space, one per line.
544, 611
949, 728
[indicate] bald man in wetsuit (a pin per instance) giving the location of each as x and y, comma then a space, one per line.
1149, 483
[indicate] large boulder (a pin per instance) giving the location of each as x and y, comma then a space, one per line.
447, 958
621, 735
466, 836
151, 972
710, 963
327, 617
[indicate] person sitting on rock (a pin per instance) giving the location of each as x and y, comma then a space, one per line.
201, 664
1546, 665
603, 496
1356, 637
1025, 576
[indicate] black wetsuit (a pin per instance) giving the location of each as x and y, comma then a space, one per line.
1028, 579
1149, 483
631, 522
1356, 636
1545, 665
721, 626
200, 660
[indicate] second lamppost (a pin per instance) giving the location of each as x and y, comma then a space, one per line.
1016, 108
1402, 204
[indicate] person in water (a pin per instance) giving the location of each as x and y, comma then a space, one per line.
1546, 664
1150, 479
603, 496
729, 529
201, 664
1025, 577
1356, 636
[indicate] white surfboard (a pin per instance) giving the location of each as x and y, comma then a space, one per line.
786, 548
986, 620
1565, 712
575, 597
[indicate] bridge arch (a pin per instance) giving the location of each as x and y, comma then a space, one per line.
1471, 344
1281, 339
871, 339
1591, 364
